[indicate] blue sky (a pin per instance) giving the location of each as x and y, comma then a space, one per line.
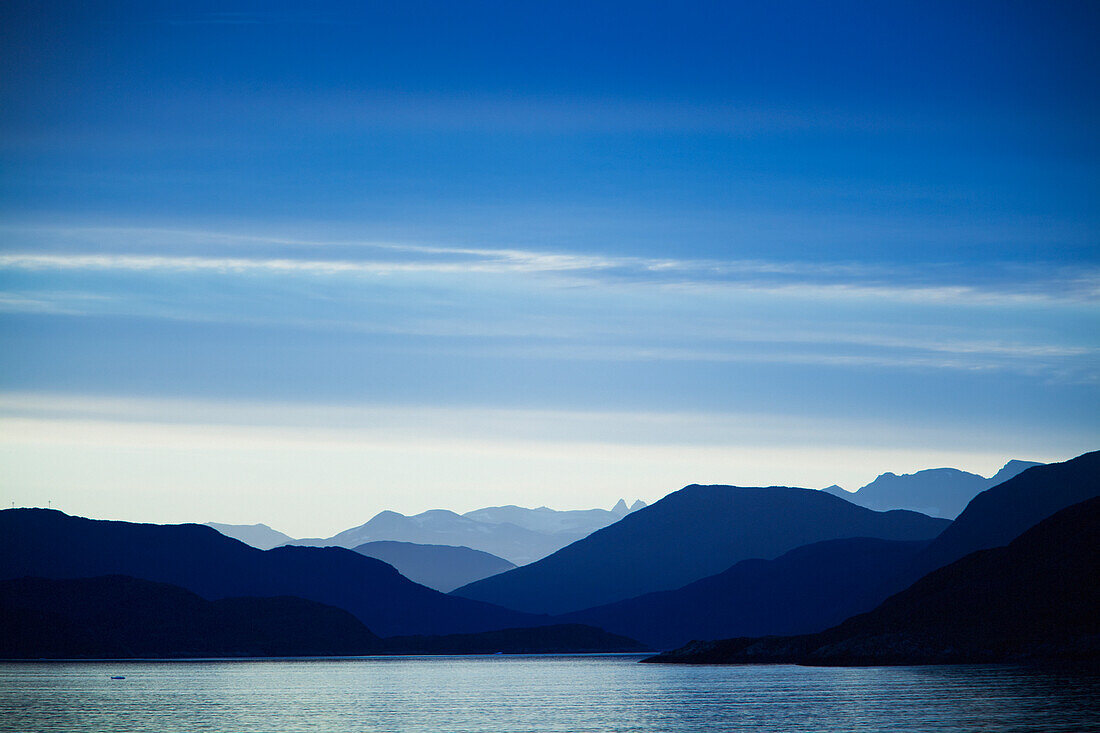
292, 264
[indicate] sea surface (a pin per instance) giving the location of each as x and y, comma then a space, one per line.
535, 695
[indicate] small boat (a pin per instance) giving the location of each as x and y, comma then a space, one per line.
118, 677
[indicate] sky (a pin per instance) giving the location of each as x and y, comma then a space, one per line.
300, 263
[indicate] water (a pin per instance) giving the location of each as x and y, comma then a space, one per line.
536, 695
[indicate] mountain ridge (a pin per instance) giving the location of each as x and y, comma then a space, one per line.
50, 544
938, 492
686, 536
1034, 599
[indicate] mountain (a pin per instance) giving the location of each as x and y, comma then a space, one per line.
50, 544
514, 533
581, 522
120, 617
442, 527
1035, 599
1000, 514
259, 536
688, 535
817, 586
807, 589
938, 492
440, 567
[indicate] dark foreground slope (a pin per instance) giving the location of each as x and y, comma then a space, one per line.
815, 587
117, 617
50, 544
1035, 599
120, 617
688, 535
806, 590
441, 567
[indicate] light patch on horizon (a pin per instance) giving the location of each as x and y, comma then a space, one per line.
314, 470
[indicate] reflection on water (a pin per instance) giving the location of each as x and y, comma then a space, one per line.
537, 694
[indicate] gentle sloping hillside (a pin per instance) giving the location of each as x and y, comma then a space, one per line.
259, 536
440, 567
50, 544
1035, 599
688, 535
119, 617
937, 492
808, 589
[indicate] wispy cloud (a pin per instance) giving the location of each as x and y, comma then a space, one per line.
143, 250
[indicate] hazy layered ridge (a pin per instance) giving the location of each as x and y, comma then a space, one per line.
938, 492
259, 536
440, 567
517, 534
688, 535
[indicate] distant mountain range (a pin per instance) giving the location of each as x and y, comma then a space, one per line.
259, 536
517, 534
782, 574
440, 567
1035, 599
937, 492
688, 535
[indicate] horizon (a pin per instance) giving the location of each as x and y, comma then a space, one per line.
463, 512
287, 264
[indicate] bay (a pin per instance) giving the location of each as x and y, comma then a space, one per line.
545, 694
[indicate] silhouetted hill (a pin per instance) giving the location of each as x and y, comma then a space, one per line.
938, 492
118, 617
441, 567
45, 543
1035, 599
114, 617
259, 536
793, 595
808, 589
557, 639
688, 535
